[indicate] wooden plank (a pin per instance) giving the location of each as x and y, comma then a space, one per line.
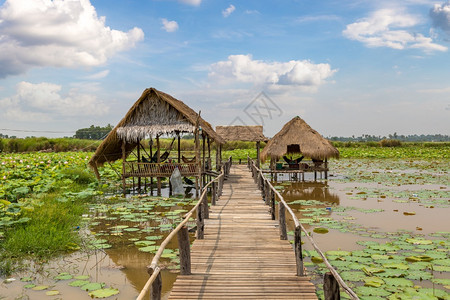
241, 255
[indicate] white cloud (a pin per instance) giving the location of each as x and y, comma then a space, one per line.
59, 34
228, 11
191, 2
45, 101
440, 14
390, 28
243, 69
319, 18
99, 75
169, 26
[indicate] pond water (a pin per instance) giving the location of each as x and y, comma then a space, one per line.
377, 213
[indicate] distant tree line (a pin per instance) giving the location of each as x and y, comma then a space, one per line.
93, 132
395, 136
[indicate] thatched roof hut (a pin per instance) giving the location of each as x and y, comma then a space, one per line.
241, 133
298, 137
154, 113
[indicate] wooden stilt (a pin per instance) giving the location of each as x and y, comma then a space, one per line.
158, 160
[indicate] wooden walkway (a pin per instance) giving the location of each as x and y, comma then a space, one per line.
242, 256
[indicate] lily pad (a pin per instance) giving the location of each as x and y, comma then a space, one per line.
373, 281
417, 241
63, 276
103, 293
320, 230
40, 287
79, 283
92, 286
52, 293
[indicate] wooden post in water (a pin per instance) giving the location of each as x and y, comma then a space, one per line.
258, 156
124, 183
200, 222
298, 251
214, 193
185, 251
326, 169
282, 221
139, 160
272, 206
158, 160
331, 287
205, 207
155, 294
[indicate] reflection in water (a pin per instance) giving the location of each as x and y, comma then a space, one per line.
310, 191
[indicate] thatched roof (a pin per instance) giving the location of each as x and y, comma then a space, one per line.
154, 113
241, 133
297, 132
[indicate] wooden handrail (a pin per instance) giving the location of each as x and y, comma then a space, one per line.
153, 268
258, 174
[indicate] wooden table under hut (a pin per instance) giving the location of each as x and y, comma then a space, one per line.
136, 140
298, 149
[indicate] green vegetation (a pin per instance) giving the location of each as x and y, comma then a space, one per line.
93, 132
34, 144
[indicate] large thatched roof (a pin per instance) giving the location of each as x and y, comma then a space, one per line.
297, 132
241, 133
154, 113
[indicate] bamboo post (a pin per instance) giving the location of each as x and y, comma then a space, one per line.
156, 285
298, 251
258, 157
272, 206
150, 144
282, 221
124, 157
205, 207
326, 169
200, 222
185, 251
209, 154
214, 193
331, 287
179, 147
139, 160
158, 160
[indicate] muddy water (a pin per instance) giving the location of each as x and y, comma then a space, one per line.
123, 266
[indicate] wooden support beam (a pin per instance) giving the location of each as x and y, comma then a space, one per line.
298, 251
200, 222
205, 207
156, 285
258, 157
331, 287
282, 221
272, 206
179, 147
185, 251
214, 193
124, 157
158, 160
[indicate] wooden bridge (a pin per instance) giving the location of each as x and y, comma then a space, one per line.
241, 255
241, 252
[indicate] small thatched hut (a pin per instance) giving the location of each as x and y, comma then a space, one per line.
297, 137
243, 133
154, 114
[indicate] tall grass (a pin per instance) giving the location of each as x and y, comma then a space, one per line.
34, 144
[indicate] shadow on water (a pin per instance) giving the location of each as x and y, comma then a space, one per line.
310, 191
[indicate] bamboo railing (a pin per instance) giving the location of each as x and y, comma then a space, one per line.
269, 194
202, 212
144, 169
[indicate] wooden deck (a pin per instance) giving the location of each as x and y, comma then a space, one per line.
242, 256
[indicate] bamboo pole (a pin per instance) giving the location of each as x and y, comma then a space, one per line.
124, 157
158, 160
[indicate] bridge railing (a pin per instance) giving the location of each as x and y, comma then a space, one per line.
202, 212
332, 280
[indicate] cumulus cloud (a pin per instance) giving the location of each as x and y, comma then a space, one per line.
58, 33
45, 101
191, 2
295, 73
440, 14
99, 75
169, 26
228, 11
390, 28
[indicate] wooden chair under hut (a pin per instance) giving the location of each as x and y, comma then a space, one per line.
157, 114
298, 139
245, 134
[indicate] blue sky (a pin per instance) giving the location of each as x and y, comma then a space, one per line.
346, 67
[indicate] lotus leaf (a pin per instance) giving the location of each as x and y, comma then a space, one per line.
418, 258
52, 293
29, 286
371, 291
353, 275
338, 253
417, 241
373, 281
399, 266
63, 276
92, 286
442, 262
393, 273
320, 230
103, 293
40, 287
144, 243
443, 281
371, 270
26, 279
316, 259
151, 249
419, 275
79, 283
82, 277
441, 268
